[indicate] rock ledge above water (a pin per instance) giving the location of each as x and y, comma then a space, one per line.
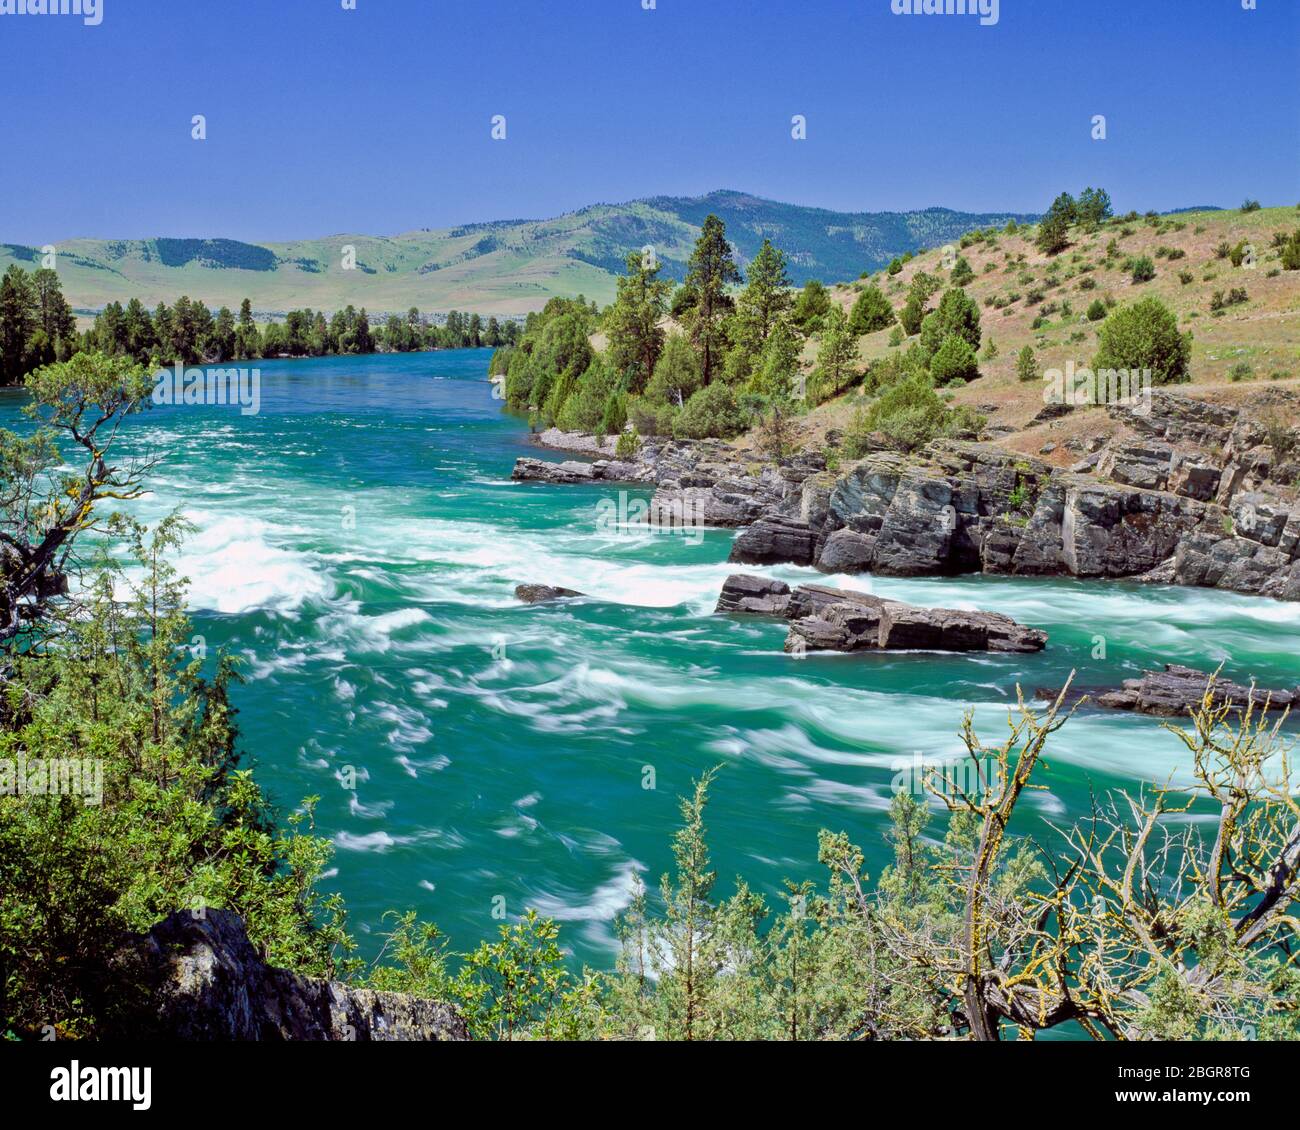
828, 619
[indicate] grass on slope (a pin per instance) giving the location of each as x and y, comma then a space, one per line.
1251, 344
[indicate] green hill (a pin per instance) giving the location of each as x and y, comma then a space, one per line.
1245, 320
503, 267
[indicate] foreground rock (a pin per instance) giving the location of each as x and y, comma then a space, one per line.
1177, 691
201, 979
828, 619
540, 594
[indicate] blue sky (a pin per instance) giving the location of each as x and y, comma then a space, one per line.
323, 120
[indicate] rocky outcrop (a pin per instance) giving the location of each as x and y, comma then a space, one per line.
828, 619
579, 443
541, 594
201, 979
1185, 493
540, 471
1177, 691
572, 471
743, 593
962, 507
705, 480
1176, 418
770, 541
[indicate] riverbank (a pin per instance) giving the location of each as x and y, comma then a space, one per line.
1177, 491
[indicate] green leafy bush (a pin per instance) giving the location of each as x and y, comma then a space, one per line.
713, 411
1143, 269
954, 360
629, 443
650, 419
1145, 336
909, 414
1291, 253
871, 312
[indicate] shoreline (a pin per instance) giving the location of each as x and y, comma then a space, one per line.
1192, 497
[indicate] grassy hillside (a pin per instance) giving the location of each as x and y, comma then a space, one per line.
505, 267
1251, 344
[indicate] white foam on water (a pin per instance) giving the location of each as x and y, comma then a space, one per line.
375, 811
595, 910
371, 841
434, 764
233, 567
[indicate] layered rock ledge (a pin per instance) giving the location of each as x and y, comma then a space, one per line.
1187, 493
829, 619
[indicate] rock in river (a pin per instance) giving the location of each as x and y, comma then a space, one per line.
1177, 691
540, 594
827, 619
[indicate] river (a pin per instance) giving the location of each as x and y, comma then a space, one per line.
358, 543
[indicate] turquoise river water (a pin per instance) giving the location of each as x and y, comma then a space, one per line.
358, 545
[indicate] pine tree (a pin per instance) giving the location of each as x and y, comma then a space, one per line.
1094, 206
765, 302
632, 324
712, 269
17, 323
1053, 234
957, 315
871, 312
835, 357
53, 314
811, 307
919, 294
1027, 365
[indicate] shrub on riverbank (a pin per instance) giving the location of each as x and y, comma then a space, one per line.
166, 817
908, 414
712, 411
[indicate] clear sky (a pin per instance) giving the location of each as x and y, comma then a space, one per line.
324, 120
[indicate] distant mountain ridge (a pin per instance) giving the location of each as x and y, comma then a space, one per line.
499, 266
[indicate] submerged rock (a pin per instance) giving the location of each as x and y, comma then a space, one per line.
202, 979
540, 594
1177, 691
